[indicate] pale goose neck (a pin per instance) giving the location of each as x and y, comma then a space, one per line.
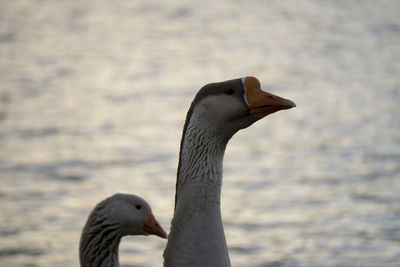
99, 243
197, 237
200, 161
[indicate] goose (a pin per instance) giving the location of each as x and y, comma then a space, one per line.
217, 112
111, 219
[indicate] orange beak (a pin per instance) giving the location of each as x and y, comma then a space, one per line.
152, 227
262, 103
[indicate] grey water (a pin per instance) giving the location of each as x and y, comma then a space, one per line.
93, 96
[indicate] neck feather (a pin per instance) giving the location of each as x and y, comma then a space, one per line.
99, 242
200, 163
197, 234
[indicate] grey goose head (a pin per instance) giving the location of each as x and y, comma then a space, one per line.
117, 216
226, 107
132, 214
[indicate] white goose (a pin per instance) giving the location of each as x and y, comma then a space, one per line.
217, 112
111, 219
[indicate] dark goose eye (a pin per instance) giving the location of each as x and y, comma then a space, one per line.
138, 207
230, 92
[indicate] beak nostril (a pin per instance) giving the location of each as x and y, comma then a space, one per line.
270, 96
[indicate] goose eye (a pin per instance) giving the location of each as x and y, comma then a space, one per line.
230, 92
138, 207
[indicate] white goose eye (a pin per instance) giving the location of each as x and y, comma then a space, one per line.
230, 92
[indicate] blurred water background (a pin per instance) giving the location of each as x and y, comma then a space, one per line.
93, 96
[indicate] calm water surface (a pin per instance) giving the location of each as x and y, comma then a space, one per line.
93, 95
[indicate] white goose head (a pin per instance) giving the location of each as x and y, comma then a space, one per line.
223, 108
117, 216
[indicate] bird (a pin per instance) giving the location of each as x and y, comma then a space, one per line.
117, 216
217, 112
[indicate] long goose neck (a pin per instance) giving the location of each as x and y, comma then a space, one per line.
197, 235
99, 243
200, 165
200, 156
